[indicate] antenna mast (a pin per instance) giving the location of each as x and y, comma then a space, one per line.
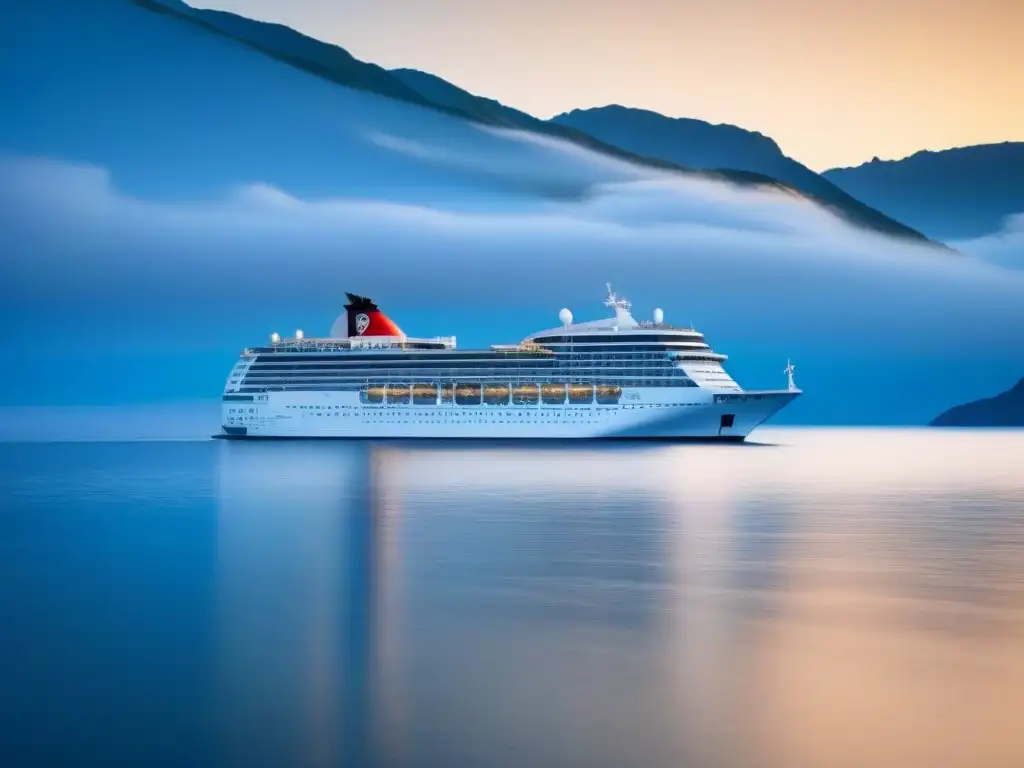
790, 369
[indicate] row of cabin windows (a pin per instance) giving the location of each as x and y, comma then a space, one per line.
600, 366
584, 362
353, 386
502, 361
438, 345
618, 338
334, 387
574, 373
622, 349
697, 359
576, 356
335, 409
377, 357
418, 364
666, 381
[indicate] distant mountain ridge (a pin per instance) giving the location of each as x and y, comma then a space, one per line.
336, 64
699, 144
440, 91
706, 145
738, 154
953, 194
1003, 410
295, 48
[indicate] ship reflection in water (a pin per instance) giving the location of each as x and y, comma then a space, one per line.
681, 605
840, 598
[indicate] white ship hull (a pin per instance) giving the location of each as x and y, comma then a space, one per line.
662, 412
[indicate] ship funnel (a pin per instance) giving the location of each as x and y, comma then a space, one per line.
365, 318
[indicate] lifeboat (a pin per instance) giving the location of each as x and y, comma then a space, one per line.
553, 394
608, 394
398, 393
467, 394
526, 394
424, 394
447, 393
496, 394
372, 394
580, 394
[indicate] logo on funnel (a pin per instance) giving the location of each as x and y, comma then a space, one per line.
362, 323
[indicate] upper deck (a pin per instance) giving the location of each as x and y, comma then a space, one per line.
621, 336
301, 344
617, 351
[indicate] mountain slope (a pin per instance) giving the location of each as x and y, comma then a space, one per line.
440, 91
327, 62
284, 43
175, 105
955, 194
446, 95
1003, 410
336, 64
175, 111
698, 144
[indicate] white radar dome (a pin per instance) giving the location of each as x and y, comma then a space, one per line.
659, 316
298, 334
275, 337
565, 317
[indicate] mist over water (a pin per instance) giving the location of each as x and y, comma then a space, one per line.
824, 597
1005, 247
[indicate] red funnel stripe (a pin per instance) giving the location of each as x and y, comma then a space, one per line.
380, 325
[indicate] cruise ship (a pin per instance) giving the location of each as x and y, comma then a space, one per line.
615, 377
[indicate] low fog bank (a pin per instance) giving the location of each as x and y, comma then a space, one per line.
1005, 247
146, 299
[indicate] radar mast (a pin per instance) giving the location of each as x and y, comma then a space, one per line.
611, 300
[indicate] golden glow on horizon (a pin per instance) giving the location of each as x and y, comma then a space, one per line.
834, 83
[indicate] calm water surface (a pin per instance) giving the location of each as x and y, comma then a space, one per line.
833, 598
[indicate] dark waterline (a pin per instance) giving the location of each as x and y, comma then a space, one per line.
849, 598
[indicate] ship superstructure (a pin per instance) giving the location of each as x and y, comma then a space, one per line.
613, 377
